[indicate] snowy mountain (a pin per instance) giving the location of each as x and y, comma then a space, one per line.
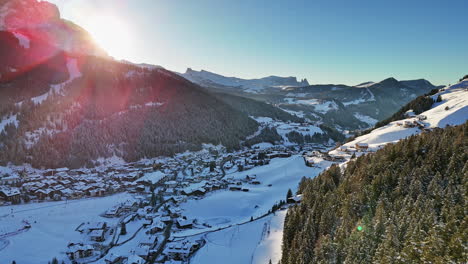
352, 107
339, 106
451, 110
262, 85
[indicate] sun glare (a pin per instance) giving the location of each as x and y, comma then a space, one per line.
111, 34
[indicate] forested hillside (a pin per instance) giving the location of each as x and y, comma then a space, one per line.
119, 109
404, 204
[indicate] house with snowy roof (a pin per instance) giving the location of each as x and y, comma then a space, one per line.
10, 194
97, 235
184, 223
134, 259
114, 259
180, 250
79, 251
361, 146
10, 179
155, 227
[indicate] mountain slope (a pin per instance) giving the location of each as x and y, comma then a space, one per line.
339, 106
404, 204
451, 110
357, 107
61, 107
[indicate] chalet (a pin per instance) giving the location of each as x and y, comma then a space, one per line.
344, 148
255, 182
181, 250
97, 192
421, 117
43, 194
216, 186
410, 113
184, 223
12, 194
147, 222
68, 193
169, 191
89, 227
295, 199
140, 188
97, 235
10, 180
362, 146
174, 211
129, 206
278, 155
245, 189
408, 124
79, 251
197, 191
420, 124
131, 177
114, 259
176, 199
166, 219
134, 259
234, 187
156, 227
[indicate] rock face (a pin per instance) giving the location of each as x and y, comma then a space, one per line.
40, 21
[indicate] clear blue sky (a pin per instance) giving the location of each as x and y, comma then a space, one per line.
325, 41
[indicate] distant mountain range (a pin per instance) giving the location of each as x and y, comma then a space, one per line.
262, 85
340, 106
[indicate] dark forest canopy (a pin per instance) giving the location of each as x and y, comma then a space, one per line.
404, 204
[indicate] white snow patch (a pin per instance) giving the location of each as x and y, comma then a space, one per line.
53, 226
23, 40
269, 247
8, 120
366, 119
236, 206
73, 71
319, 105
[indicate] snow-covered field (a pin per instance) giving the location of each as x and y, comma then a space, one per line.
53, 226
256, 242
222, 208
320, 106
253, 242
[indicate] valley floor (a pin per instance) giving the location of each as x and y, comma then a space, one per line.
222, 220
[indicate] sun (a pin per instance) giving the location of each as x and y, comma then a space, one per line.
111, 34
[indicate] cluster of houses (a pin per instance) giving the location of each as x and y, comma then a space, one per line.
415, 120
172, 181
182, 250
65, 184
